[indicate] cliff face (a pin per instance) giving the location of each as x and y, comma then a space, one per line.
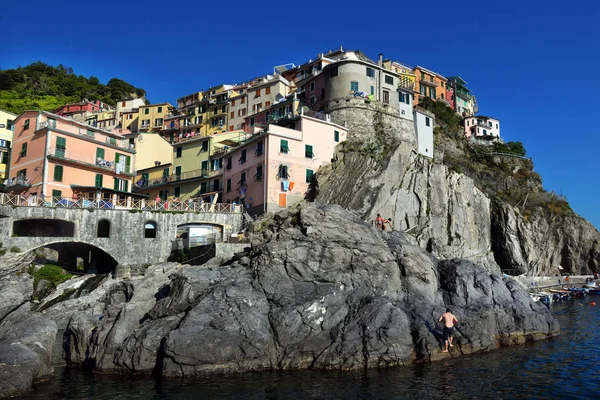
319, 289
450, 213
444, 211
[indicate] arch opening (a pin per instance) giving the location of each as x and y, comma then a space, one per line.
77, 257
150, 230
43, 228
199, 234
103, 230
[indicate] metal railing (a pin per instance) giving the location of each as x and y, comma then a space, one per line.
196, 206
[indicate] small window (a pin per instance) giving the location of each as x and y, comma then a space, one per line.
354, 86
159, 109
243, 179
229, 185
309, 175
150, 230
56, 193
308, 151
26, 125
372, 90
268, 90
257, 93
178, 151
204, 146
23, 152
336, 136
259, 173
386, 97
229, 162
282, 173
177, 191
312, 87
389, 80
103, 230
283, 147
98, 181
370, 72
146, 111
259, 148
58, 173
243, 157
427, 122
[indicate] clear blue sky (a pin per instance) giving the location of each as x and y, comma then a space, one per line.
530, 63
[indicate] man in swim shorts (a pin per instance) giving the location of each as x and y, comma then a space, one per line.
449, 322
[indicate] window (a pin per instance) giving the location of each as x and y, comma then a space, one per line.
58, 173
354, 86
252, 121
232, 114
372, 90
146, 111
243, 157
121, 184
485, 131
178, 151
243, 100
427, 122
56, 193
103, 230
259, 172
259, 149
229, 185
23, 152
389, 79
224, 109
26, 125
257, 93
123, 104
442, 84
178, 172
283, 147
89, 133
150, 230
229, 160
333, 72
98, 181
308, 151
432, 93
159, 109
370, 72
282, 173
204, 167
230, 128
216, 185
177, 191
386, 96
9, 124
158, 122
496, 126
243, 179
4, 158
145, 123
268, 90
204, 146
233, 102
336, 136
312, 87
309, 175
267, 104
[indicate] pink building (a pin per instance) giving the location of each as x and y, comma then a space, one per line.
275, 167
285, 108
57, 156
482, 129
83, 107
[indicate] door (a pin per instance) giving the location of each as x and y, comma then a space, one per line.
282, 200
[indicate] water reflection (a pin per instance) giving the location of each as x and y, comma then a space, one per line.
563, 367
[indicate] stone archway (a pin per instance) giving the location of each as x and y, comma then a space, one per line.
79, 257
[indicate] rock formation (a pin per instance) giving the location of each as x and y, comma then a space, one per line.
319, 289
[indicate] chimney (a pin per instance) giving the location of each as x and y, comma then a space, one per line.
380, 63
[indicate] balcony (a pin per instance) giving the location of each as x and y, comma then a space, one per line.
198, 173
86, 160
407, 85
17, 184
427, 82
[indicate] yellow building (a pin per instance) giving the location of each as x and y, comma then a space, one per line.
152, 116
6, 137
153, 181
150, 149
130, 119
407, 78
198, 165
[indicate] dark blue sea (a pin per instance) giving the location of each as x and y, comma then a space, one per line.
565, 367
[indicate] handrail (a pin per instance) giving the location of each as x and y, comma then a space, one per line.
192, 206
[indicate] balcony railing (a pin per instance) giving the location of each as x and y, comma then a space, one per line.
18, 181
428, 82
86, 159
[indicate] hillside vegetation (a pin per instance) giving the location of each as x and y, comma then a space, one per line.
41, 86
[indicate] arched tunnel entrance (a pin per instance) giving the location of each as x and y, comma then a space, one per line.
78, 257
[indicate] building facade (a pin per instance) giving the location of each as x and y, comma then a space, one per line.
152, 116
274, 168
7, 120
55, 156
482, 129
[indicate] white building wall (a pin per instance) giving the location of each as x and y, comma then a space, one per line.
405, 109
424, 129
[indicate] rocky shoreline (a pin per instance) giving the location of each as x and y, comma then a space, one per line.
318, 288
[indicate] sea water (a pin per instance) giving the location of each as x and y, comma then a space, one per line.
563, 367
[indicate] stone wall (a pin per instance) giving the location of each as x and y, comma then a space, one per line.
126, 242
367, 119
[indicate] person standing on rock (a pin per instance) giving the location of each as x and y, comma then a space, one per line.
379, 223
449, 322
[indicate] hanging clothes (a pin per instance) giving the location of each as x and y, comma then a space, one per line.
285, 185
291, 185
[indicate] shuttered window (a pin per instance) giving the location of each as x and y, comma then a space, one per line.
58, 173
100, 153
98, 182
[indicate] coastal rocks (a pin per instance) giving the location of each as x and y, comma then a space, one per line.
319, 289
539, 244
25, 353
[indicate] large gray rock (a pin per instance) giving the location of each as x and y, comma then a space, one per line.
320, 289
25, 353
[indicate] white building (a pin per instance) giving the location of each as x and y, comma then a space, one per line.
424, 121
482, 129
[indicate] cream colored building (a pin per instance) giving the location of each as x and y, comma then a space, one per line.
152, 116
6, 137
151, 149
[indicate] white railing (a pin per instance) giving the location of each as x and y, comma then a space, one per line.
195, 206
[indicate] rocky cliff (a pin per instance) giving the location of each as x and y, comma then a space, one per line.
319, 289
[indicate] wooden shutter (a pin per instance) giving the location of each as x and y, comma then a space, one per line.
127, 164
61, 142
116, 184
126, 186
98, 183
58, 173
100, 153
117, 157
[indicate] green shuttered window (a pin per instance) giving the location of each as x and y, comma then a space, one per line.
58, 173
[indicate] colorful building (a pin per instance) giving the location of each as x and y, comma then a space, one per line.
6, 137
274, 167
238, 107
152, 116
127, 105
150, 148
465, 103
130, 120
429, 84
154, 181
482, 129
56, 156
79, 111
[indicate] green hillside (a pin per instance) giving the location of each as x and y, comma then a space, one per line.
43, 87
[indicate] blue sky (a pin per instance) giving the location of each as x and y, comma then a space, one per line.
530, 63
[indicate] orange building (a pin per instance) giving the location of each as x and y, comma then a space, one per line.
56, 156
429, 84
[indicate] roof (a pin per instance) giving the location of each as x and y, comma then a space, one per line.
458, 79
431, 72
157, 104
